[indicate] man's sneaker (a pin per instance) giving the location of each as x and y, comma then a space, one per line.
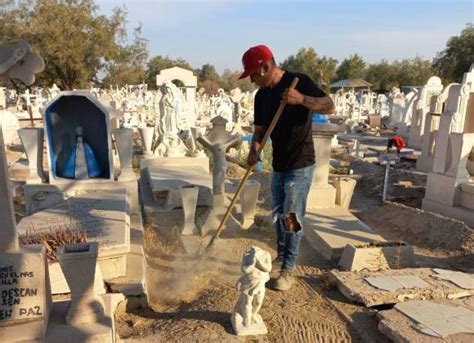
284, 282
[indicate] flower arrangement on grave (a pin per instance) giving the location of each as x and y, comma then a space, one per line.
53, 239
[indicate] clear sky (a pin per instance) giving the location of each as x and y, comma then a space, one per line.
218, 32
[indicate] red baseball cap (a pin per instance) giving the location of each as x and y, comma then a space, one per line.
253, 59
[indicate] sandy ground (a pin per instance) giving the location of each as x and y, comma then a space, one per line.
191, 299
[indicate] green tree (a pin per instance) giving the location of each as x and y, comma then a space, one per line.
129, 65
413, 72
456, 59
352, 67
230, 80
208, 72
382, 75
74, 40
158, 63
408, 72
321, 69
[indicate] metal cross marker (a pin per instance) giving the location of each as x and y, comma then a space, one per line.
387, 160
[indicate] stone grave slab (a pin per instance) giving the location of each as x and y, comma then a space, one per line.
392, 283
188, 162
167, 179
355, 287
377, 257
25, 294
460, 279
429, 321
329, 231
102, 215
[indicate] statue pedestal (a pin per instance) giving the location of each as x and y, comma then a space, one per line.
257, 328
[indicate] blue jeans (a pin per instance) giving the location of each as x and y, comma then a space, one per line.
289, 193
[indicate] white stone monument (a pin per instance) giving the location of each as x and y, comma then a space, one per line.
421, 107
450, 184
25, 290
190, 83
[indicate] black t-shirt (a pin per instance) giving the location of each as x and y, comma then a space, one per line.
292, 140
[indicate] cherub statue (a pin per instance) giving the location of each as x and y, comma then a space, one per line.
256, 266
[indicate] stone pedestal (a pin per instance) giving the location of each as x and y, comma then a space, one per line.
322, 194
78, 262
124, 143
248, 201
189, 196
344, 190
146, 134
8, 235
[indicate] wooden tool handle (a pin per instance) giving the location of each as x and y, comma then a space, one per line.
268, 132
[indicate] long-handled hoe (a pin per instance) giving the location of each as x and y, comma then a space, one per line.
269, 131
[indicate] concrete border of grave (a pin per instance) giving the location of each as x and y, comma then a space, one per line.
73, 105
379, 256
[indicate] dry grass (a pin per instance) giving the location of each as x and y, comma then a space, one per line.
52, 240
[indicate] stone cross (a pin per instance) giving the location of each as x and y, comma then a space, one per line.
218, 141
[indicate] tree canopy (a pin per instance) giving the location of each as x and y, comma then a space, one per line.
76, 42
82, 47
352, 67
455, 60
307, 61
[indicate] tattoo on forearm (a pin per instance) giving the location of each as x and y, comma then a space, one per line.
322, 105
257, 138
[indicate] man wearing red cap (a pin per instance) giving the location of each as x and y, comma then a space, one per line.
293, 149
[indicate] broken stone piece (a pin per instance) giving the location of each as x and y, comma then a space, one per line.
392, 283
436, 319
460, 279
379, 256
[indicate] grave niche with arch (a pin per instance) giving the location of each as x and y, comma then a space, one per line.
62, 116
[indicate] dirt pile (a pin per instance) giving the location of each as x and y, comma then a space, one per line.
406, 186
420, 228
